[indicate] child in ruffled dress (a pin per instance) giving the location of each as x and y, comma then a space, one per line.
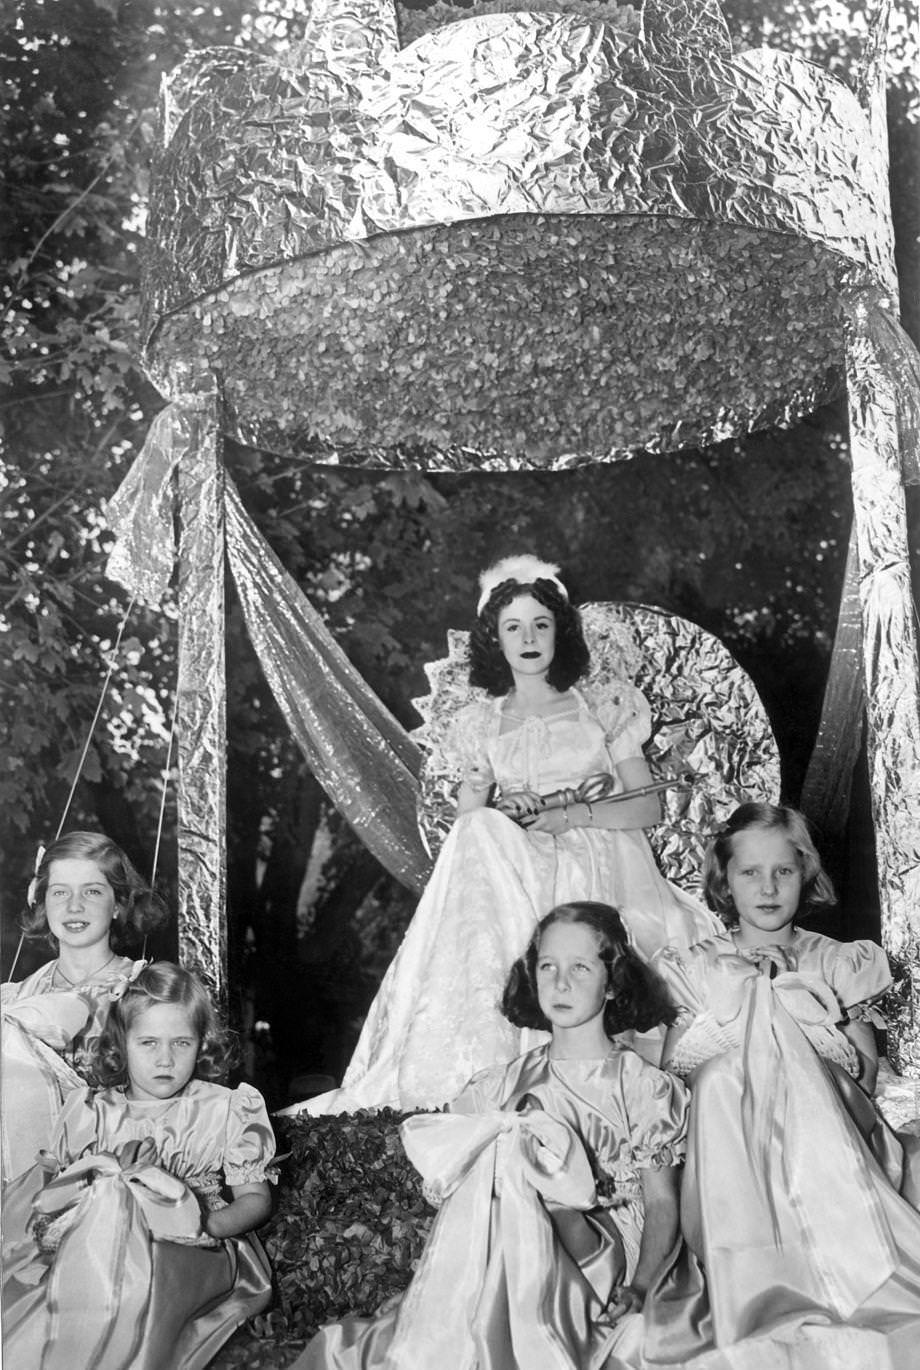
88, 901
801, 1246
556, 1175
133, 1258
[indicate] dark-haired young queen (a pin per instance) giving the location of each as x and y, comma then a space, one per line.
436, 1019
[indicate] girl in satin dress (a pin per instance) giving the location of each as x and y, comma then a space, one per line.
130, 1256
436, 1019
90, 904
556, 1177
801, 1242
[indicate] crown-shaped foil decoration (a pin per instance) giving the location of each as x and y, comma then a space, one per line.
524, 239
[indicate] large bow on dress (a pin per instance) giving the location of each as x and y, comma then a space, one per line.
475, 1263
118, 1204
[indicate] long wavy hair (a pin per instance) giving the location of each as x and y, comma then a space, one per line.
139, 909
162, 982
638, 999
488, 668
817, 890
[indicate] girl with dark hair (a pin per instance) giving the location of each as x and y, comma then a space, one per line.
556, 1176
133, 1258
818, 1246
528, 834
89, 903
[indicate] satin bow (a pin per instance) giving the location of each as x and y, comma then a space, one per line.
119, 1203
526, 1159
806, 997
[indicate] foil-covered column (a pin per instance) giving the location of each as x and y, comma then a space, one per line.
890, 665
201, 706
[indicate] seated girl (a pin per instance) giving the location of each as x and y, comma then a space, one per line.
532, 734
556, 1175
132, 1257
791, 1207
88, 902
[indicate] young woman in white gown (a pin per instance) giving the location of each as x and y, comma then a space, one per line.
436, 1019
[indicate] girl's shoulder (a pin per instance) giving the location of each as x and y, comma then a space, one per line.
856, 971
481, 713
39, 982
243, 1103
623, 712
472, 724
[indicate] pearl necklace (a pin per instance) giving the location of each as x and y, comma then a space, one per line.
86, 978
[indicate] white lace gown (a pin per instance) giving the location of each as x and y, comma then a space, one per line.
436, 1019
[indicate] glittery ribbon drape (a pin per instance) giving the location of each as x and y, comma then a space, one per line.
356, 749
359, 753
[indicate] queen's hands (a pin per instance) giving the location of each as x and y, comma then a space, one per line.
522, 806
533, 812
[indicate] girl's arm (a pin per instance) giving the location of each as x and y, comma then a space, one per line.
627, 814
251, 1207
862, 1037
672, 1036
659, 1233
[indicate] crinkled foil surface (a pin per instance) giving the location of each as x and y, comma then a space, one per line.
523, 240
883, 393
201, 700
708, 725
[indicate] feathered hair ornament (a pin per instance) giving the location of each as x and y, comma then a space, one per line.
524, 569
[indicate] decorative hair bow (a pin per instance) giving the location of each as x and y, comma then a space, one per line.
32, 891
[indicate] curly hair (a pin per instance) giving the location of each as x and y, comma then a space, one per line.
817, 890
162, 982
488, 668
639, 998
139, 909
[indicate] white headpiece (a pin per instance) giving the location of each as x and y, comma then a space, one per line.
525, 570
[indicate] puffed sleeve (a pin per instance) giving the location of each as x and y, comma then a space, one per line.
658, 1107
249, 1145
466, 746
860, 974
624, 714
76, 1130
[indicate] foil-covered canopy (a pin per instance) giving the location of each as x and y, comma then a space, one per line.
525, 239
